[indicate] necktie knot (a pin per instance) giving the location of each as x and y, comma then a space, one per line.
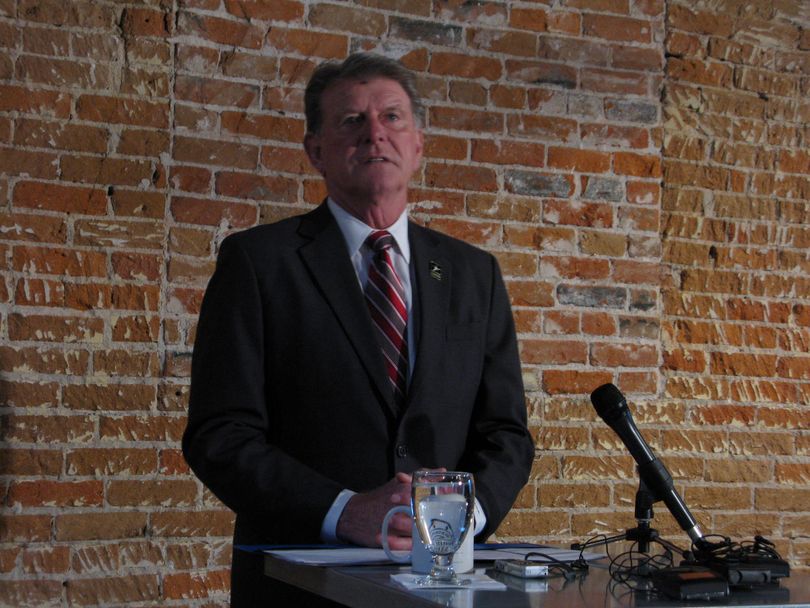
380, 240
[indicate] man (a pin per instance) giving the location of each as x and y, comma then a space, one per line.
329, 364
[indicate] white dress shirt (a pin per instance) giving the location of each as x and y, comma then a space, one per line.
355, 233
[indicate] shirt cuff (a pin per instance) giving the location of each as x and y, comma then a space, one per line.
330, 522
480, 518
329, 525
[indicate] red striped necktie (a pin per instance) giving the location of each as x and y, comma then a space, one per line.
385, 297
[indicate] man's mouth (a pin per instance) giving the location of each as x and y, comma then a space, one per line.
376, 159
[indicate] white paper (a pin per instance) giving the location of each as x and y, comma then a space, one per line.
563, 555
361, 556
348, 556
477, 580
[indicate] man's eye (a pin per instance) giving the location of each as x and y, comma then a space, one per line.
352, 120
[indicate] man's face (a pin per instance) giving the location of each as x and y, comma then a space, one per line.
369, 144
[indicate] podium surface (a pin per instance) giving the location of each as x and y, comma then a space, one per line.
372, 587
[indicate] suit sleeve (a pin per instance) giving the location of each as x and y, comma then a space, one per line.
499, 447
225, 442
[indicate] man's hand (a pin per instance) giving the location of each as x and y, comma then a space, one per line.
361, 520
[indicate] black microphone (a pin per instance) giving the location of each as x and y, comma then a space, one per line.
611, 406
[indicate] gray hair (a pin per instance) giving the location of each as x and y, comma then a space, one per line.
355, 66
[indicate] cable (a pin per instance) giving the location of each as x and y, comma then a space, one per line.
559, 567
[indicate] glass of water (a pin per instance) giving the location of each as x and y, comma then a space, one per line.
443, 503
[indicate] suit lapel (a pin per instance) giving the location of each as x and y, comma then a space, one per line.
327, 259
433, 274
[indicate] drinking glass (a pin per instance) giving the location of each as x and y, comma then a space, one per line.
443, 503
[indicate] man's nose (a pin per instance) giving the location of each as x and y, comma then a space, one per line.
375, 130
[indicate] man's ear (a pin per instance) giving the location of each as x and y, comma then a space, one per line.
312, 145
420, 147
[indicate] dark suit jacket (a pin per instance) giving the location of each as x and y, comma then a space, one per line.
290, 402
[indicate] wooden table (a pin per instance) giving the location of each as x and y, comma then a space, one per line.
371, 587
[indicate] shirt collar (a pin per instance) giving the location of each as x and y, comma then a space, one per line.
355, 232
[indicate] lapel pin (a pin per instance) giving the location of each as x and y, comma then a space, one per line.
435, 270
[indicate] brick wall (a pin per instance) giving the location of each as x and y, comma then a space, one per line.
638, 166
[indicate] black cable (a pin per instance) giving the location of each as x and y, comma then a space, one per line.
559, 567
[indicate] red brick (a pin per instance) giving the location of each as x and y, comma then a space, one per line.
55, 494
578, 214
552, 352
103, 109
613, 81
585, 161
141, 428
221, 31
146, 22
60, 72
615, 135
499, 41
465, 66
461, 177
47, 103
28, 163
212, 212
541, 72
200, 585
213, 91
191, 179
48, 429
346, 19
213, 152
118, 233
110, 461
623, 355
19, 462
40, 360
141, 493
528, 19
123, 397
114, 590
558, 130
50, 328
570, 267
194, 523
307, 43
623, 29
280, 10
437, 146
465, 119
63, 136
136, 266
39, 292
27, 593
572, 382
135, 328
105, 170
506, 152
257, 187
502, 207
700, 22
58, 261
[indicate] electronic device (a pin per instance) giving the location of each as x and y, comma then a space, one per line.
748, 572
521, 568
689, 583
611, 406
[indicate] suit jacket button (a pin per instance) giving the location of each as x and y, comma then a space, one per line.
402, 450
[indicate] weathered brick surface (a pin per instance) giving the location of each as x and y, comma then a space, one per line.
638, 168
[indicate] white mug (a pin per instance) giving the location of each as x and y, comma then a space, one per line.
420, 558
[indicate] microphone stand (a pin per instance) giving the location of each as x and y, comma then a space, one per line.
643, 535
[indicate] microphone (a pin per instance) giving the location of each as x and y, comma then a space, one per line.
611, 406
